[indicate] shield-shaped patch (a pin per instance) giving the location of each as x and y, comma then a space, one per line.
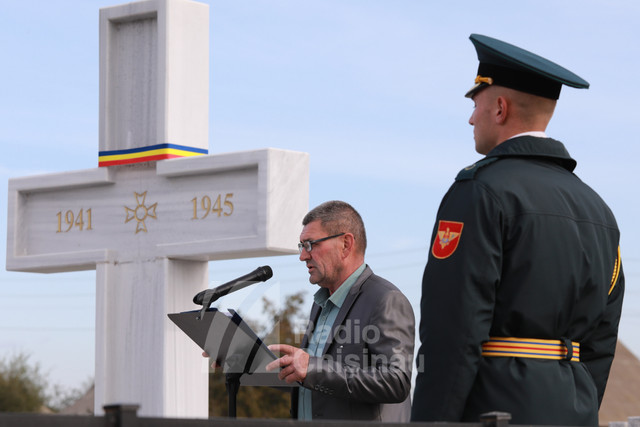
447, 239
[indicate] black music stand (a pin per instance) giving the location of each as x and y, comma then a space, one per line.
234, 346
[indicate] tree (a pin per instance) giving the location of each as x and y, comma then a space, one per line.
262, 402
22, 386
60, 398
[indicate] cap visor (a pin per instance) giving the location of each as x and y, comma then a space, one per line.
475, 89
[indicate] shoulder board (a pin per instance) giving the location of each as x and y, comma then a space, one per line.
470, 171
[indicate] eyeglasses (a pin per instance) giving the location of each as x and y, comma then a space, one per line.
308, 244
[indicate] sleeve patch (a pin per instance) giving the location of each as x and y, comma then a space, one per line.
447, 239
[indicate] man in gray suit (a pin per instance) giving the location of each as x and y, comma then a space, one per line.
356, 356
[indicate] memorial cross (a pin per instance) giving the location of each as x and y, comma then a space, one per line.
149, 225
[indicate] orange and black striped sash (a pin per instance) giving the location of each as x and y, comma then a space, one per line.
532, 348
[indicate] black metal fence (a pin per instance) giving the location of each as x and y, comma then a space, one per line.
126, 416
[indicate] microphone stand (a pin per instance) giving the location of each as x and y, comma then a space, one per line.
232, 381
232, 377
232, 384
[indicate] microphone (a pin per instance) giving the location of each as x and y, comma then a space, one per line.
260, 274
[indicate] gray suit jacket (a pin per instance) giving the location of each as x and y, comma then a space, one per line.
365, 370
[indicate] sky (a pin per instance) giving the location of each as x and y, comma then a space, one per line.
373, 90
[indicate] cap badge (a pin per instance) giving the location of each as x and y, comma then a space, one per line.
487, 80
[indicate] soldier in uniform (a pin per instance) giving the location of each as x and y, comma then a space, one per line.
523, 289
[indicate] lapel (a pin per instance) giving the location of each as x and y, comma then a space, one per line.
346, 307
313, 319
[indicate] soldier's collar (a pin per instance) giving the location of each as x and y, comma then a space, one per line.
531, 146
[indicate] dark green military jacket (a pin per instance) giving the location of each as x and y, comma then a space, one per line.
521, 248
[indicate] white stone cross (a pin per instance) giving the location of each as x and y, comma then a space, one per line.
149, 226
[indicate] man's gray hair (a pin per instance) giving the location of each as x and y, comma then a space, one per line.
339, 217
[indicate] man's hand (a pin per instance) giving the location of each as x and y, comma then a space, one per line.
294, 363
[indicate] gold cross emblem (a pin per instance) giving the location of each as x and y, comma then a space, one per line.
141, 212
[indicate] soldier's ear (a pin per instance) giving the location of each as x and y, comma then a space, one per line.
501, 110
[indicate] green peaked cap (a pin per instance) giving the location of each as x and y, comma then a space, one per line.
504, 64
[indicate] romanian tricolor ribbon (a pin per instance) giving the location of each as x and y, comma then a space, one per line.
147, 154
530, 347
